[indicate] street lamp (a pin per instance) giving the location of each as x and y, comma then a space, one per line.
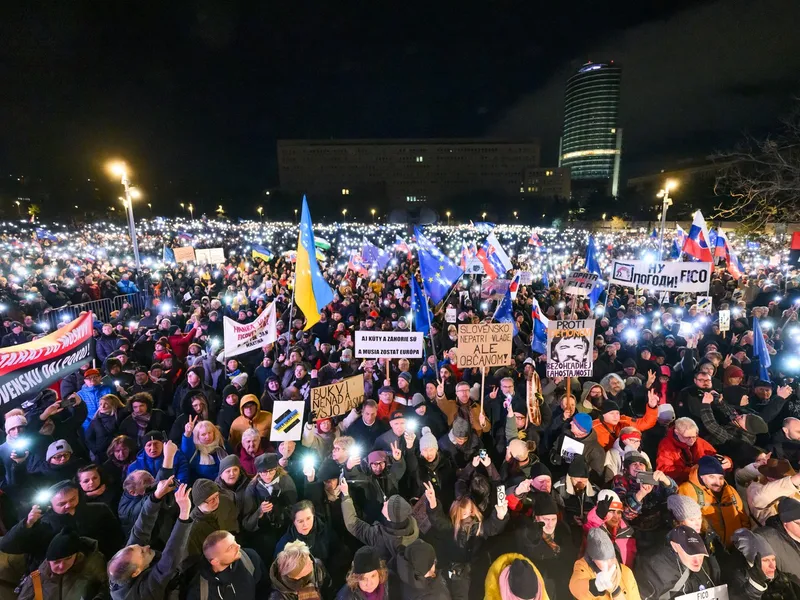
220, 210
483, 216
515, 215
670, 184
344, 214
191, 211
19, 210
260, 211
150, 206
448, 217
183, 207
373, 214
118, 169
295, 215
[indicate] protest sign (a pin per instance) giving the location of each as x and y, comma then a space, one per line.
719, 592
667, 276
287, 421
337, 398
484, 345
184, 254
474, 267
451, 314
704, 304
724, 320
525, 278
580, 284
569, 348
244, 337
389, 344
209, 256
217, 256
494, 288
27, 369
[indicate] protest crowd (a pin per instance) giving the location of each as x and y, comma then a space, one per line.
221, 435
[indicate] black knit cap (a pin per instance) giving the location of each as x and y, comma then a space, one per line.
610, 405
64, 544
578, 468
522, 580
328, 470
365, 561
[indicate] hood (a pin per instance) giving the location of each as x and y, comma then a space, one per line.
186, 403
588, 387
407, 534
405, 570
492, 591
250, 398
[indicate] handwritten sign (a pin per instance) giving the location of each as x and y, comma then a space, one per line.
184, 254
484, 345
663, 276
569, 348
389, 344
580, 284
724, 320
337, 398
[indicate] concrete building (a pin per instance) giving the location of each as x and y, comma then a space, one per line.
547, 182
401, 173
591, 144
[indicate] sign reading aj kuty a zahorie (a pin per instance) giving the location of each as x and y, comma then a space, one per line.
389, 344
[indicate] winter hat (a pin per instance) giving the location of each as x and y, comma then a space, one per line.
334, 357
583, 421
666, 413
578, 467
540, 470
56, 448
15, 421
522, 580
229, 461
460, 428
398, 414
776, 468
420, 555
328, 470
386, 389
683, 507
543, 504
610, 405
751, 544
629, 362
599, 545
427, 439
240, 380
632, 457
91, 373
266, 462
733, 371
755, 424
689, 540
398, 509
416, 400
202, 489
629, 433
788, 509
365, 561
616, 503
153, 436
709, 465
230, 390
64, 544
406, 376
376, 456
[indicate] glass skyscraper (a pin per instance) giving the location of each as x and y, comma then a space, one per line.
591, 143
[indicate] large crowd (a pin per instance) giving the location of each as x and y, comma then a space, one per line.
149, 473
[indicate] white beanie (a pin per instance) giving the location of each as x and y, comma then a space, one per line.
57, 447
15, 421
240, 380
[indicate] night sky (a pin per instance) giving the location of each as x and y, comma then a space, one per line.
195, 94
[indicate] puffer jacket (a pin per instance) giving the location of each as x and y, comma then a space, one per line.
675, 459
582, 587
622, 537
660, 572
102, 429
197, 468
152, 465
725, 515
262, 421
492, 581
91, 398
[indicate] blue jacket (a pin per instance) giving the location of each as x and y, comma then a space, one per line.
196, 470
91, 397
127, 287
153, 465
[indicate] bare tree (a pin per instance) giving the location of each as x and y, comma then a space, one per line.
760, 178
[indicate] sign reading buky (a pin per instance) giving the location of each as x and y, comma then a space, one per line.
337, 398
484, 345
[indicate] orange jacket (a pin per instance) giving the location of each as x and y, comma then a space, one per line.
607, 435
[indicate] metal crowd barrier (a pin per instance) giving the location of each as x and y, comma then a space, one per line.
102, 309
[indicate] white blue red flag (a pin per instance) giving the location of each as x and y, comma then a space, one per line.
697, 242
540, 324
494, 259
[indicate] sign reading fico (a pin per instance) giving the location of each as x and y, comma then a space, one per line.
389, 344
484, 345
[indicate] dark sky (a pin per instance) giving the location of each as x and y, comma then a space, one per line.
196, 93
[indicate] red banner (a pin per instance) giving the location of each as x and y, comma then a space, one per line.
27, 369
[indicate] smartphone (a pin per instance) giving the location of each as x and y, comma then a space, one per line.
501, 494
67, 402
646, 477
482, 455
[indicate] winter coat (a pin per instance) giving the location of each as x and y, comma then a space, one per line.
581, 584
366, 434
102, 429
460, 455
239, 581
675, 459
725, 515
450, 409
226, 518
442, 473
385, 538
614, 460
158, 422
763, 497
282, 591
529, 541
235, 493
86, 579
262, 422
782, 447
607, 434
576, 507
406, 584
787, 550
592, 451
492, 582
282, 497
622, 537
128, 510
323, 542
462, 549
198, 470
661, 572
106, 345
649, 514
91, 398
153, 465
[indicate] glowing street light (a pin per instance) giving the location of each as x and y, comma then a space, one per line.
448, 217
191, 211
373, 214
483, 216
119, 169
515, 215
295, 215
260, 211
669, 185
220, 210
344, 213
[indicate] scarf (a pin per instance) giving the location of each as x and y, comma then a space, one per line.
304, 588
142, 422
376, 594
551, 541
207, 451
532, 395
505, 588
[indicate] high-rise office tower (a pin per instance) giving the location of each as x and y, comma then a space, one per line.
591, 143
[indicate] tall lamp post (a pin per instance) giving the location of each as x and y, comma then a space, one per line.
448, 217
260, 211
666, 202
191, 211
118, 169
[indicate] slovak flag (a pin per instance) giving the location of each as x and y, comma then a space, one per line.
697, 242
535, 241
735, 267
357, 265
514, 287
721, 245
540, 324
680, 236
494, 259
467, 253
400, 245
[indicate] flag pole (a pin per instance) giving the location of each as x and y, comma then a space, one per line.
430, 335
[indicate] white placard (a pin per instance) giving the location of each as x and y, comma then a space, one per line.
398, 293
287, 421
451, 314
569, 347
667, 276
525, 278
725, 320
216, 256
716, 593
474, 267
244, 337
389, 344
570, 448
704, 304
580, 284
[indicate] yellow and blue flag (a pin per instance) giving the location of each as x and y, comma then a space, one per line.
312, 293
261, 252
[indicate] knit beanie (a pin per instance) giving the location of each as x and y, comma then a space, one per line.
365, 560
398, 509
539, 469
416, 400
632, 457
522, 580
56, 448
583, 421
229, 461
427, 441
543, 504
64, 544
421, 556
751, 544
578, 467
460, 428
709, 465
202, 489
666, 414
610, 405
616, 503
240, 380
328, 470
788, 509
683, 507
14, 420
598, 545
230, 390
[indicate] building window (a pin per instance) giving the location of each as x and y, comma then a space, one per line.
345, 192
411, 198
420, 159
613, 130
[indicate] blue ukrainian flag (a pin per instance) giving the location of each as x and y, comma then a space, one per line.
261, 252
311, 293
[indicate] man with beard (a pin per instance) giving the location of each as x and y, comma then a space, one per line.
578, 495
137, 572
786, 442
720, 502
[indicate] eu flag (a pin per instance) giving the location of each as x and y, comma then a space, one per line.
505, 311
438, 272
760, 351
420, 311
169, 255
593, 267
311, 293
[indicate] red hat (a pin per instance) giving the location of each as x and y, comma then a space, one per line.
630, 433
91, 373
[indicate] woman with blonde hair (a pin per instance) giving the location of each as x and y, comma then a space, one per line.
368, 578
204, 448
104, 426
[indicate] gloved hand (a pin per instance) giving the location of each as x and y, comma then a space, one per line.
605, 579
603, 507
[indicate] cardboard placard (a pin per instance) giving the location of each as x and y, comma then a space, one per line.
724, 320
484, 345
668, 276
719, 592
474, 267
337, 398
244, 337
184, 254
580, 284
569, 348
287, 421
389, 344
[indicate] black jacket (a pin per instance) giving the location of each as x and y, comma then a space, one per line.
102, 429
240, 581
660, 572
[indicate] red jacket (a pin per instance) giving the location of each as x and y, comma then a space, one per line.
675, 459
180, 343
